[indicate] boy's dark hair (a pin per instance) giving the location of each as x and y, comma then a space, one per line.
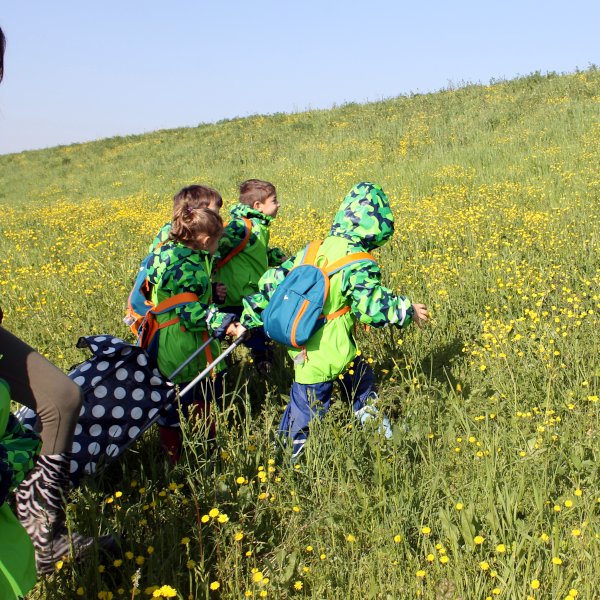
197, 196
2, 48
189, 222
256, 190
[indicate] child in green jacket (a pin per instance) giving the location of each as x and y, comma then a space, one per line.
363, 222
240, 270
183, 263
17, 451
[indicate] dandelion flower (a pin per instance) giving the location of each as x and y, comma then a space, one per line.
213, 513
298, 585
420, 573
500, 548
350, 538
425, 530
478, 539
256, 577
556, 560
215, 585
166, 591
397, 538
535, 584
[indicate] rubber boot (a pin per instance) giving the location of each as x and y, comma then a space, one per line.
170, 440
40, 507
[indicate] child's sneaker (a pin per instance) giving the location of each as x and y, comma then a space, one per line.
369, 412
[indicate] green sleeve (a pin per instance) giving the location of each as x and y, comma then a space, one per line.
372, 303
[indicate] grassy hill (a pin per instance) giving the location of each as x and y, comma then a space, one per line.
490, 485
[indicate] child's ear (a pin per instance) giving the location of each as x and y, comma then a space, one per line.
257, 205
203, 241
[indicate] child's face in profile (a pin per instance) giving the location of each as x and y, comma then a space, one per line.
269, 207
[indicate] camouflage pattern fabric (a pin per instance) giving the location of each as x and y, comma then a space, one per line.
161, 237
241, 274
18, 447
365, 220
174, 269
235, 230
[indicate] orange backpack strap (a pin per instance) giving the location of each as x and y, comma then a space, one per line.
174, 301
336, 266
346, 260
239, 247
310, 254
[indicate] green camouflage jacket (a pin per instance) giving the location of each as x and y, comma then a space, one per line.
363, 223
241, 274
174, 269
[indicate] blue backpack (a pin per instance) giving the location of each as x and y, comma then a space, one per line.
295, 311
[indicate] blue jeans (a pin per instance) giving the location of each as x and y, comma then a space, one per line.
313, 400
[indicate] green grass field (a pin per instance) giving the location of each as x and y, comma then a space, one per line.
489, 488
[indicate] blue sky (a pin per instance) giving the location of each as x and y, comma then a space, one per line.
77, 71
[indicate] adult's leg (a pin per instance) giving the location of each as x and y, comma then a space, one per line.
307, 401
41, 497
38, 384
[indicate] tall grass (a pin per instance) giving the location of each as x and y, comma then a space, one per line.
489, 487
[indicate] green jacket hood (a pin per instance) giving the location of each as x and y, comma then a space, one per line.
364, 217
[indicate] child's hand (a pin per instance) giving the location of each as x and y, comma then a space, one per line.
421, 314
235, 330
219, 292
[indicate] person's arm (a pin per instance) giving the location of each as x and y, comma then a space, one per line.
372, 303
256, 303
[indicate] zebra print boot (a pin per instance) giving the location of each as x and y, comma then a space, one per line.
40, 507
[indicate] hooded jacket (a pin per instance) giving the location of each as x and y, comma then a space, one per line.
174, 269
363, 222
